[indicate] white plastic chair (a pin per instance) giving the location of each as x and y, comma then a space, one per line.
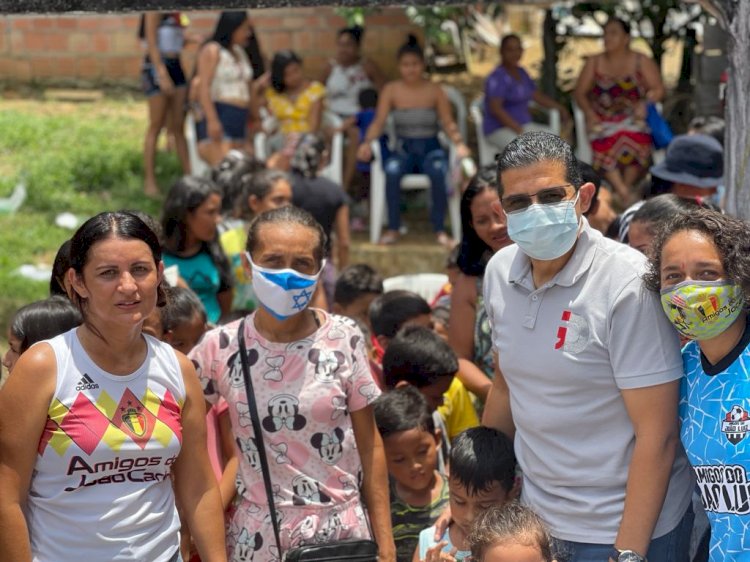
198, 166
426, 285
486, 150
334, 171
583, 144
411, 182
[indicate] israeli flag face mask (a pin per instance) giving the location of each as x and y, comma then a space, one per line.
283, 292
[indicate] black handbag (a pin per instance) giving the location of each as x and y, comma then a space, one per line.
354, 550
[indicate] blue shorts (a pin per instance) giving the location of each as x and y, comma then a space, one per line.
233, 120
150, 80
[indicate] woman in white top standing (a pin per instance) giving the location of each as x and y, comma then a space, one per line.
345, 77
102, 426
224, 85
163, 82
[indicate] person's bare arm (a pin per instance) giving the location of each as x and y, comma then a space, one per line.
474, 379
225, 301
227, 485
582, 89
208, 59
497, 412
374, 73
374, 481
194, 480
343, 237
463, 316
546, 101
24, 401
315, 118
150, 27
652, 77
445, 114
653, 413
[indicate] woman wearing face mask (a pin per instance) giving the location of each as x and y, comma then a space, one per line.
701, 267
484, 233
314, 391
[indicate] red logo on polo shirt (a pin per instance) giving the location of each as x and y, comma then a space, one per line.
573, 335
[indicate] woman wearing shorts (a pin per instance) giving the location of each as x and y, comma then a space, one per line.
223, 84
164, 84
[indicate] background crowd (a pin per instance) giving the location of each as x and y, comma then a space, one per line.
535, 408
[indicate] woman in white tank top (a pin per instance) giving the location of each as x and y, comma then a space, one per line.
345, 77
102, 426
223, 85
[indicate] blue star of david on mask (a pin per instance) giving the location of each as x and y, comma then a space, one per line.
301, 299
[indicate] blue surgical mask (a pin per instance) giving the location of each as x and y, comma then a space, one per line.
283, 292
545, 232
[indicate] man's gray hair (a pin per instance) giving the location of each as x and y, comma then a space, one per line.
535, 147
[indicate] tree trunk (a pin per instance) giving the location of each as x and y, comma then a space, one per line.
737, 113
549, 64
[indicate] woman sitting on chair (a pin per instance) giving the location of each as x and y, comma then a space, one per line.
419, 107
507, 94
612, 91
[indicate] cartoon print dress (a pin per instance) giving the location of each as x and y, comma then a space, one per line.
305, 391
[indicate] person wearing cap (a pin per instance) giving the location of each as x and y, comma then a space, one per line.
587, 371
693, 169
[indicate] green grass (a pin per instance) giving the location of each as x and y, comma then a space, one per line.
81, 159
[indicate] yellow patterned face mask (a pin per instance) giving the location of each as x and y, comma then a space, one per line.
701, 310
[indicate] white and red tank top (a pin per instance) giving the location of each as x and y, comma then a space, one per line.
101, 487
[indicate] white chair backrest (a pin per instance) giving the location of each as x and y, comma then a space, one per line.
426, 285
583, 145
486, 151
459, 104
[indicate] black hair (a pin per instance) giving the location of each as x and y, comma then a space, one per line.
230, 175
474, 253
418, 356
481, 456
43, 320
658, 210
60, 268
184, 197
391, 310
411, 47
509, 37
280, 61
356, 32
368, 98
357, 280
590, 175
709, 125
258, 184
118, 224
535, 147
730, 235
402, 409
150, 222
228, 23
287, 215
614, 19
182, 306
512, 523
451, 260
255, 54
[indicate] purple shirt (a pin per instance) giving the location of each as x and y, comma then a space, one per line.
515, 94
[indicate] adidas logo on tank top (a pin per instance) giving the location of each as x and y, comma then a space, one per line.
86, 383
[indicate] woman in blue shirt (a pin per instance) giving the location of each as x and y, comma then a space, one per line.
190, 216
701, 266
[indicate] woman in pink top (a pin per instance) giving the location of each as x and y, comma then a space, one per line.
314, 392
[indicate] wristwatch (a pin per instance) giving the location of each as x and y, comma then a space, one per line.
626, 556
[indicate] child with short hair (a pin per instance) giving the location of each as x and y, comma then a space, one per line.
511, 533
410, 440
183, 319
356, 287
482, 475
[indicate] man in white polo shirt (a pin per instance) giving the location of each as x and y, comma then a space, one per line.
587, 370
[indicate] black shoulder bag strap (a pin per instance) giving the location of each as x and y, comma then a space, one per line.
258, 431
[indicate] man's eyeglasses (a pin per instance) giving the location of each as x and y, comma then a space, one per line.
546, 196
